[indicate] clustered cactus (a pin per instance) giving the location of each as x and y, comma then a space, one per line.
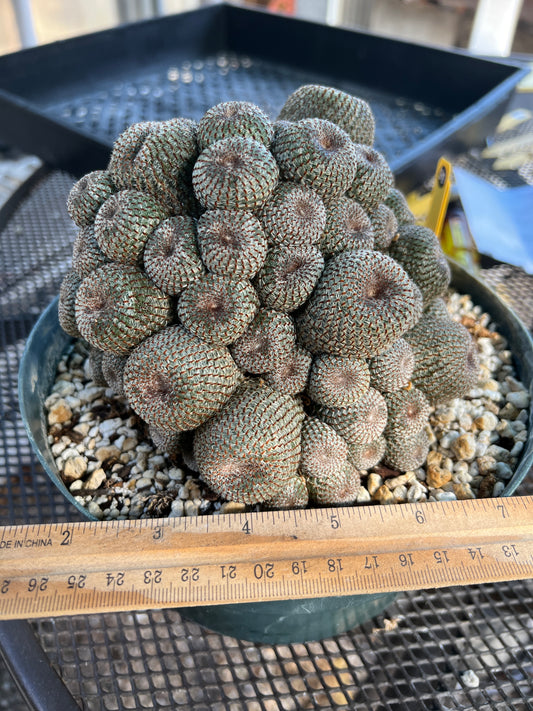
260, 288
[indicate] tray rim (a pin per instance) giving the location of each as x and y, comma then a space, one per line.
77, 150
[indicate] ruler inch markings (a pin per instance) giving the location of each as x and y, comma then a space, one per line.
83, 567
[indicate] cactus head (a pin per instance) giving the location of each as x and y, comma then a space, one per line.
363, 302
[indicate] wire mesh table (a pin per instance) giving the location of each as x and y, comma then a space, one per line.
439, 650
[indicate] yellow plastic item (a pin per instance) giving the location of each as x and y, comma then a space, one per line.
430, 208
433, 210
440, 197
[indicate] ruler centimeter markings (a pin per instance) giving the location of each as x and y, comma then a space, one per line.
56, 569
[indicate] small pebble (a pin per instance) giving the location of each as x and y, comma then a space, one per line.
486, 486
75, 468
68, 452
59, 413
460, 468
374, 481
58, 448
509, 411
470, 679
444, 495
191, 509
437, 477
463, 490
434, 458
503, 471
95, 510
499, 453
448, 438
90, 393
363, 496
498, 489
175, 473
486, 464
520, 399
63, 388
82, 429
416, 492
384, 495
462, 477
176, 508
107, 452
465, 421
464, 447
399, 493
95, 480
143, 483
401, 480
487, 421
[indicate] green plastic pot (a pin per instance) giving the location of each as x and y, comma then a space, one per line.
274, 622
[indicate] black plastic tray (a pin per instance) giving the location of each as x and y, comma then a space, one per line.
66, 102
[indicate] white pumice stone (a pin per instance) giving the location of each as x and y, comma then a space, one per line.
499, 486
520, 399
470, 679
504, 471
444, 495
363, 497
95, 510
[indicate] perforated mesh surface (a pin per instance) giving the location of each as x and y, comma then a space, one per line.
162, 91
412, 658
35, 253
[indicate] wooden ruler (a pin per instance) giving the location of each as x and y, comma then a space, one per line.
74, 568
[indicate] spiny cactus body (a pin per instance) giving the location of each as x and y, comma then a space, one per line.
351, 113
255, 286
171, 258
363, 302
446, 359
234, 118
361, 422
385, 226
175, 381
232, 243
407, 453
294, 215
347, 227
117, 306
235, 174
88, 195
288, 276
367, 455
392, 369
290, 377
316, 152
250, 449
418, 250
218, 309
336, 381
373, 178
